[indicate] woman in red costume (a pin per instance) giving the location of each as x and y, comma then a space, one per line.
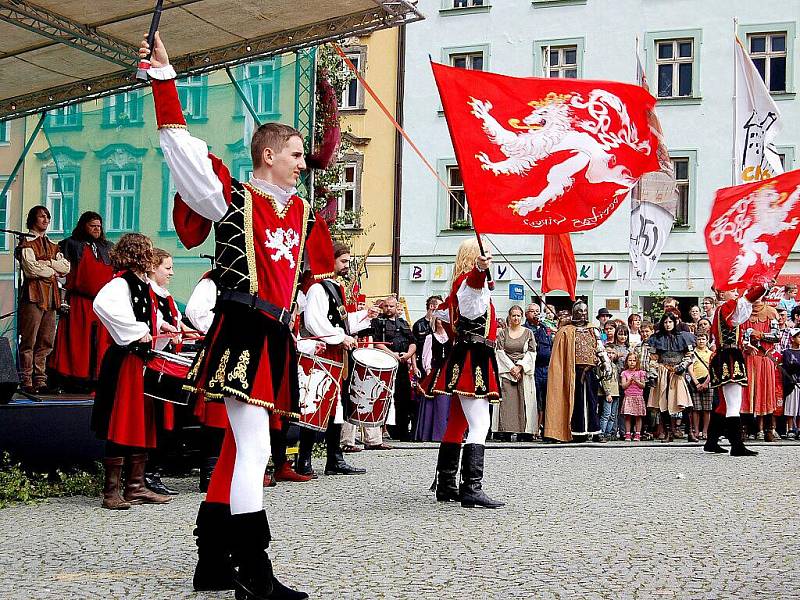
469, 376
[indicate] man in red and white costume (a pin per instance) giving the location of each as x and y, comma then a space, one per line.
469, 376
728, 369
325, 316
249, 361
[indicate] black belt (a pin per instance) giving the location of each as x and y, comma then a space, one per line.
282, 315
474, 338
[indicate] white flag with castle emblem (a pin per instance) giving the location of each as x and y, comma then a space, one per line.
757, 123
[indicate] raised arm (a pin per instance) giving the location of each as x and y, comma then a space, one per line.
201, 183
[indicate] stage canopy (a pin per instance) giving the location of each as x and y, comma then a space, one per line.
57, 52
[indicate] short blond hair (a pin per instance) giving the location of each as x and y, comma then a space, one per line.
270, 135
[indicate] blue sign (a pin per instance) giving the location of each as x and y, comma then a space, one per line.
516, 291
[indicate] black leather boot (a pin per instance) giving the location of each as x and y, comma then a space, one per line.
253, 578
733, 428
206, 471
153, 482
214, 570
336, 465
471, 490
446, 471
715, 427
306, 448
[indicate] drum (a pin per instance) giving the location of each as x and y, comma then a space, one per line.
165, 374
320, 383
371, 386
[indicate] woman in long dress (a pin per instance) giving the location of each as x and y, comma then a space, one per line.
516, 360
433, 411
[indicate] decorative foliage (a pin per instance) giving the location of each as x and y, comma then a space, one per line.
19, 485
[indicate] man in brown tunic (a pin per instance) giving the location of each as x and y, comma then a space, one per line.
42, 263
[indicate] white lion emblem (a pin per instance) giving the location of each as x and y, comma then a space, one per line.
282, 241
752, 229
313, 387
552, 127
364, 392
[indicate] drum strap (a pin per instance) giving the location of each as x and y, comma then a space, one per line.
282, 315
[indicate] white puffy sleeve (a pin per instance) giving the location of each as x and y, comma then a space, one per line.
315, 316
472, 303
112, 305
200, 307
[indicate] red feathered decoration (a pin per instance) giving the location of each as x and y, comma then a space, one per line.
332, 131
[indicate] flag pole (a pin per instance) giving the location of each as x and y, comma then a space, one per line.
629, 298
735, 81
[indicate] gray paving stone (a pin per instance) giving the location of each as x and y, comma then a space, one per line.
581, 522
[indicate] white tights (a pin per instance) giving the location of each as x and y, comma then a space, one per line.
250, 425
733, 399
476, 411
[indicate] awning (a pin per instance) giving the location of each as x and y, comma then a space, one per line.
57, 52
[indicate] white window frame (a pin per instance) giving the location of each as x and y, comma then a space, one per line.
61, 117
768, 55
358, 56
258, 81
459, 192
541, 56
112, 195
675, 62
355, 161
57, 222
131, 98
789, 28
194, 89
561, 66
651, 39
5, 133
690, 184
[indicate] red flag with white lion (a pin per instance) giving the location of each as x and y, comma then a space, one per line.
752, 229
545, 156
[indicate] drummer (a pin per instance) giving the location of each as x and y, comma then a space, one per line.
122, 414
325, 316
160, 275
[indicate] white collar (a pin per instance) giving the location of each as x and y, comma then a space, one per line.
281, 196
161, 291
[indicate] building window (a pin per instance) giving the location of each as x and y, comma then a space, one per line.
558, 58
768, 51
562, 61
348, 191
353, 93
468, 60
681, 166
468, 3
193, 93
60, 199
5, 132
262, 81
674, 64
65, 117
120, 200
458, 216
123, 109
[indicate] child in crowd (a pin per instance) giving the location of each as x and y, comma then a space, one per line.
646, 331
633, 383
700, 386
609, 388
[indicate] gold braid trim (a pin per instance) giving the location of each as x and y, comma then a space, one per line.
173, 126
249, 245
240, 396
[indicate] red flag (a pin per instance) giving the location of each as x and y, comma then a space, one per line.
545, 155
752, 229
558, 265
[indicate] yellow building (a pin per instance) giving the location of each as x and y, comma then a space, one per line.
368, 178
12, 141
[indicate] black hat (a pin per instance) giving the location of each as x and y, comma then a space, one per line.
603, 312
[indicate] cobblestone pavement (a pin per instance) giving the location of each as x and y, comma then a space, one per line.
581, 522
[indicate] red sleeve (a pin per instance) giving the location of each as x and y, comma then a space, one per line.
193, 229
476, 278
725, 312
169, 112
754, 293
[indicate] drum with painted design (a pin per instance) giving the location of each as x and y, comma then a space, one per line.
371, 386
320, 385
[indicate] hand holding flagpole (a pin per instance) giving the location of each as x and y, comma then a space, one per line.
144, 63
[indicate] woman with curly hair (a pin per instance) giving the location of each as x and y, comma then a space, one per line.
123, 415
